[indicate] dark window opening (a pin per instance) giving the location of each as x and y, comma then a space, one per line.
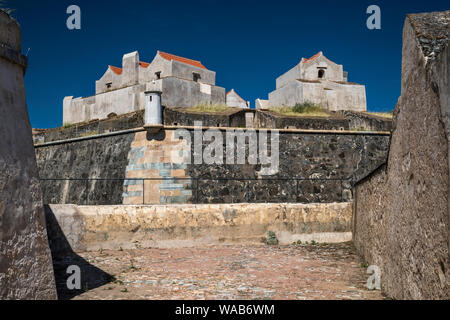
196, 77
108, 85
158, 75
321, 73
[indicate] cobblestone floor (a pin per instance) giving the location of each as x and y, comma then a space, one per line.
330, 271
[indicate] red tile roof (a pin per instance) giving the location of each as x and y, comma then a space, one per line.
171, 57
119, 71
312, 58
116, 70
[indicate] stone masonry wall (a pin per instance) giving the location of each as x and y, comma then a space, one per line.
26, 270
402, 212
92, 228
132, 156
231, 118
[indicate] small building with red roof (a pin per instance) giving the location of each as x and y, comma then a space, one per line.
183, 82
317, 80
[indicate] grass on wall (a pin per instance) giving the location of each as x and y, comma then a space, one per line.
211, 108
388, 114
306, 109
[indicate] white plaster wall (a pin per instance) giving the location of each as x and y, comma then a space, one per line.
335, 96
118, 101
185, 71
331, 95
108, 77
182, 93
130, 66
315, 93
235, 101
333, 71
158, 64
288, 95
261, 104
291, 75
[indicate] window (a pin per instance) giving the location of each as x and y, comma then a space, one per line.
321, 73
196, 76
158, 75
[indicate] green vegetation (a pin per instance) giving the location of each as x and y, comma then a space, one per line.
67, 125
388, 114
88, 134
207, 107
306, 109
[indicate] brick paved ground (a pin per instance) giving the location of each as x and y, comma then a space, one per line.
232, 272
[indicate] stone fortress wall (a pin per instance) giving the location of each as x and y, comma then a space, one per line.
134, 153
234, 117
26, 270
401, 215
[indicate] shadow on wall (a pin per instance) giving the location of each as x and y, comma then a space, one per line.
63, 256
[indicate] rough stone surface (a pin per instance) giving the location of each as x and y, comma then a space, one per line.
238, 272
90, 228
25, 262
401, 218
94, 159
327, 156
345, 120
268, 119
179, 116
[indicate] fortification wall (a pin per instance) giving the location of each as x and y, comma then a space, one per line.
26, 270
401, 220
231, 118
136, 154
267, 119
91, 228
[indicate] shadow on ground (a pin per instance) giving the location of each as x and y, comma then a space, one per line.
63, 256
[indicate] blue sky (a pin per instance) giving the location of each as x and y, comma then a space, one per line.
248, 43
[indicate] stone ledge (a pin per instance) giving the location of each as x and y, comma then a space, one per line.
13, 56
90, 228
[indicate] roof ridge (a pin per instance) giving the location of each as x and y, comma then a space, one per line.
314, 57
116, 70
236, 94
170, 56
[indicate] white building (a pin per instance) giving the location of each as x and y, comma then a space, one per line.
183, 83
318, 80
235, 101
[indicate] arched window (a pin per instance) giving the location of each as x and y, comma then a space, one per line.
321, 73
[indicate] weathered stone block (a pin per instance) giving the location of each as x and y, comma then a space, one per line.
402, 211
26, 270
